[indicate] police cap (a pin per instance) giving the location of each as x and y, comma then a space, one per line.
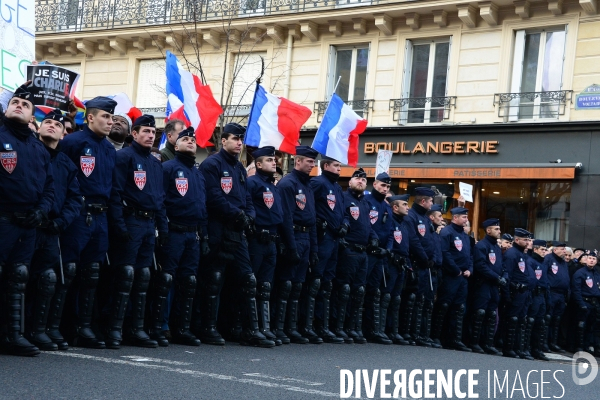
424, 191
557, 243
23, 93
490, 222
398, 197
267, 151
436, 207
307, 151
540, 242
507, 236
459, 211
55, 115
145, 120
235, 129
522, 233
186, 132
384, 177
359, 173
102, 103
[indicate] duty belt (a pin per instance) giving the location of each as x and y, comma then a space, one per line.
591, 300
266, 237
358, 248
139, 213
15, 217
182, 228
96, 208
300, 228
538, 290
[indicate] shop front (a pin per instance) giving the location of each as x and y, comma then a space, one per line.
542, 177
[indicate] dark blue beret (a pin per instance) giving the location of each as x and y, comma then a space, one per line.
592, 254
186, 132
384, 177
359, 173
507, 236
307, 151
459, 211
522, 233
491, 222
401, 197
56, 115
578, 248
102, 103
540, 242
235, 129
145, 120
324, 158
264, 151
557, 243
23, 93
424, 191
436, 207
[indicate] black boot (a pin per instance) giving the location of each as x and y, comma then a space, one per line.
459, 315
137, 336
377, 335
383, 311
509, 342
323, 329
123, 281
490, 331
394, 314
251, 335
311, 298
476, 331
407, 315
57, 305
88, 283
539, 339
342, 296
555, 328
417, 323
263, 295
580, 337
526, 327
181, 314
206, 309
426, 324
162, 286
438, 322
544, 334
354, 324
44, 291
291, 318
15, 279
283, 293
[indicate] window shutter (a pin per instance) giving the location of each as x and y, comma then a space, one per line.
246, 69
331, 78
151, 84
408, 54
448, 69
517, 72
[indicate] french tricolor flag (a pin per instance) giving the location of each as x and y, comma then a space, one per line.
275, 121
337, 137
125, 106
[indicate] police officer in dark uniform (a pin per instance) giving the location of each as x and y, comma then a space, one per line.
488, 277
559, 280
185, 203
26, 197
429, 291
263, 244
457, 266
85, 241
585, 287
380, 215
351, 274
300, 222
332, 226
46, 295
515, 264
536, 314
230, 213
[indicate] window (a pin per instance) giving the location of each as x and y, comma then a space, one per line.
425, 81
348, 75
69, 15
246, 69
537, 67
75, 68
151, 83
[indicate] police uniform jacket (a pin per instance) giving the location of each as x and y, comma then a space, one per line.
380, 215
138, 186
515, 264
95, 159
402, 239
456, 250
185, 192
329, 202
26, 179
437, 257
558, 273
267, 202
422, 228
357, 210
298, 202
586, 283
487, 260
536, 263
67, 197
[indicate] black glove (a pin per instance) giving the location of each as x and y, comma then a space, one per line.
380, 252
54, 228
33, 219
163, 238
502, 281
343, 244
250, 228
314, 259
281, 249
343, 231
293, 256
373, 243
241, 221
124, 237
204, 248
430, 264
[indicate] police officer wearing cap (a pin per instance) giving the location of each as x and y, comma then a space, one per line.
263, 244
332, 226
185, 203
136, 210
423, 257
398, 264
302, 253
429, 291
26, 197
536, 327
457, 266
515, 264
230, 214
49, 279
585, 287
380, 215
85, 241
351, 274
506, 242
488, 277
559, 280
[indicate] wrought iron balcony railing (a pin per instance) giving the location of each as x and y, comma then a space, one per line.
81, 15
532, 105
361, 107
420, 110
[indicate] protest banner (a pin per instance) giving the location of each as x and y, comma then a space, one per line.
17, 41
52, 86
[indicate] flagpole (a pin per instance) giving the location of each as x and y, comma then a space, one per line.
336, 86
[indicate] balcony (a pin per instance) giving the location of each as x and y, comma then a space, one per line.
83, 15
361, 107
529, 106
422, 110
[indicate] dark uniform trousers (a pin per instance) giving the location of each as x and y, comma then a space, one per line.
181, 255
297, 273
139, 251
86, 239
17, 244
263, 257
352, 272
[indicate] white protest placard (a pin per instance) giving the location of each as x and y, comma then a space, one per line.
384, 157
466, 191
17, 41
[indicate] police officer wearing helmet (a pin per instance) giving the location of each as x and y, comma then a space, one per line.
26, 197
136, 210
85, 241
262, 246
230, 213
488, 277
536, 326
300, 222
49, 279
185, 203
559, 281
585, 287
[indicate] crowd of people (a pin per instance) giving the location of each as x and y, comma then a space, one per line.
103, 245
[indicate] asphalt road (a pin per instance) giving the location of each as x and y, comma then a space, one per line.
287, 372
